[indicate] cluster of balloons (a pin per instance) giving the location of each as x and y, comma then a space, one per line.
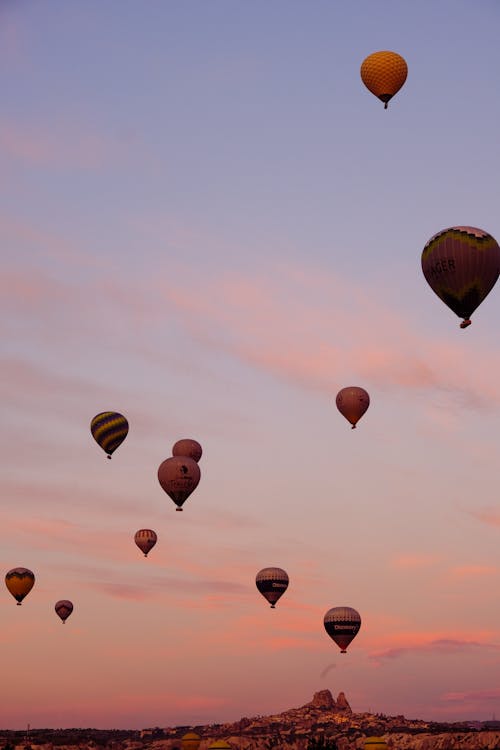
20, 581
179, 475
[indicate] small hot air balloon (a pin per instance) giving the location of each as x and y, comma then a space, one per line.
63, 609
109, 429
187, 447
179, 476
19, 581
272, 584
461, 265
376, 743
383, 73
342, 625
145, 540
352, 402
219, 745
190, 741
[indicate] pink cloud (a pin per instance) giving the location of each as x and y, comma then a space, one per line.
415, 561
50, 146
439, 645
490, 516
473, 571
476, 696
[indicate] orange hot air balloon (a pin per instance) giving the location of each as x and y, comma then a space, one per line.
272, 584
145, 540
384, 73
179, 476
352, 402
376, 743
188, 447
342, 625
190, 741
63, 609
461, 265
19, 581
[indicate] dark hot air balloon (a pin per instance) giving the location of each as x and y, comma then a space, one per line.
188, 447
352, 402
63, 609
272, 584
384, 73
179, 476
461, 265
145, 540
342, 625
109, 429
19, 581
190, 741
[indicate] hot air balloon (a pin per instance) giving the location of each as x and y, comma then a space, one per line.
109, 429
352, 402
342, 625
383, 73
219, 745
63, 609
145, 540
272, 584
461, 265
179, 476
187, 447
19, 581
376, 743
190, 741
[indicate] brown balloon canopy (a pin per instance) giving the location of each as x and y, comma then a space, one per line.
145, 540
352, 402
187, 447
179, 477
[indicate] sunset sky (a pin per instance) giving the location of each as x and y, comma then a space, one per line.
210, 225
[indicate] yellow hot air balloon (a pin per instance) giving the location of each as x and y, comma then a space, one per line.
383, 73
376, 743
219, 745
19, 581
190, 741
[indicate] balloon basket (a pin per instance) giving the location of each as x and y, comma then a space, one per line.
178, 509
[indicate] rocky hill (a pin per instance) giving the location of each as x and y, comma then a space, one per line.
294, 729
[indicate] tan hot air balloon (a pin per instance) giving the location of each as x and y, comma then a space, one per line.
145, 540
188, 447
376, 743
352, 402
179, 477
219, 745
190, 741
63, 609
384, 73
19, 581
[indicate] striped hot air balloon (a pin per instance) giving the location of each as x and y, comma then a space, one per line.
109, 429
272, 584
342, 625
145, 540
384, 73
461, 265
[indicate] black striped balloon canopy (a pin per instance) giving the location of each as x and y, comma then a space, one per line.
109, 429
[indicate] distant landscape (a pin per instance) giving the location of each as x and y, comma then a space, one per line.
324, 723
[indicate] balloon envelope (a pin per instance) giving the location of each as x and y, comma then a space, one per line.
272, 584
19, 582
375, 743
187, 447
384, 73
190, 741
352, 402
219, 745
63, 609
145, 540
109, 429
179, 476
342, 625
461, 265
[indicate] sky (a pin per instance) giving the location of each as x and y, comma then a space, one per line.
210, 225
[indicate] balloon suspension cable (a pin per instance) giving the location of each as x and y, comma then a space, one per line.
465, 323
